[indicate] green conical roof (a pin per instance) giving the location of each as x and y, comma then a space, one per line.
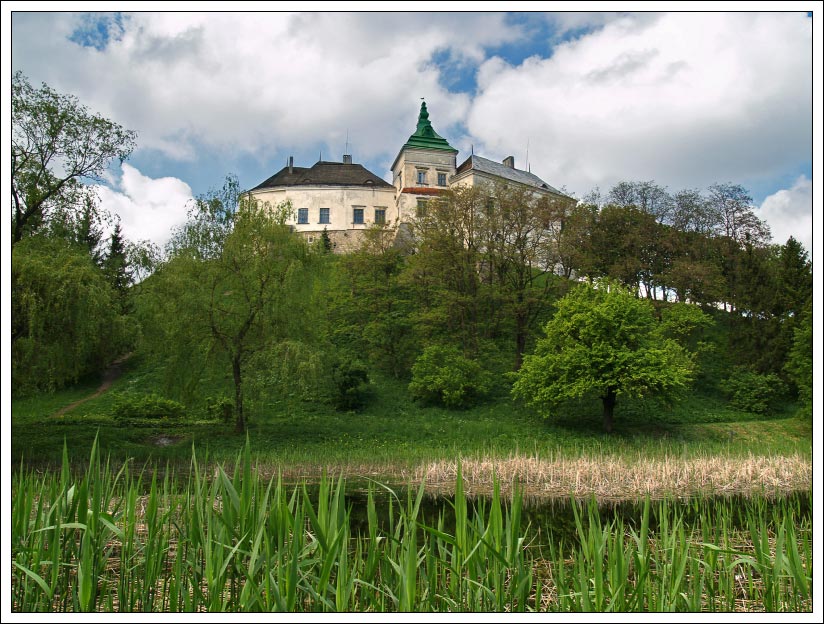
425, 136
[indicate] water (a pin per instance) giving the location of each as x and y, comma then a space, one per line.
554, 521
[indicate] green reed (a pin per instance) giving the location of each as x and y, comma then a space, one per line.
217, 539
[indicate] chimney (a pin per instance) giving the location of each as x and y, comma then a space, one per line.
347, 159
291, 163
509, 161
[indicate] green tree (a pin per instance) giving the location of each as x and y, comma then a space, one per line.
237, 297
452, 297
65, 322
605, 340
441, 375
799, 364
56, 145
519, 231
116, 266
370, 306
483, 267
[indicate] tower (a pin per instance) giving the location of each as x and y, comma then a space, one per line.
426, 162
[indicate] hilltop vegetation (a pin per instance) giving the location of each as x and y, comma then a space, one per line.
239, 320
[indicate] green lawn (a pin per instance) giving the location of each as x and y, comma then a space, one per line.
395, 433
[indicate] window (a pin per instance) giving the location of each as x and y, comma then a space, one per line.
324, 215
441, 179
421, 177
303, 215
357, 215
380, 215
421, 209
310, 239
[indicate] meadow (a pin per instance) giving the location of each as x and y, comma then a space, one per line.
395, 437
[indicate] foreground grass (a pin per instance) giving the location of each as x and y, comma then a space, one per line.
393, 438
209, 541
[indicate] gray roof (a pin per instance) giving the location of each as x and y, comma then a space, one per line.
484, 165
324, 173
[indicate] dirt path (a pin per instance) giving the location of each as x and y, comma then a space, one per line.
109, 377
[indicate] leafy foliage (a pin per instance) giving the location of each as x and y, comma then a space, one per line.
352, 385
750, 391
56, 144
238, 282
146, 409
800, 361
602, 340
65, 321
220, 408
442, 375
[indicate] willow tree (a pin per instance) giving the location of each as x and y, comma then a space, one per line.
606, 341
248, 294
65, 319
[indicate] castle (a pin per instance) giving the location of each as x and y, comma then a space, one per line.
345, 198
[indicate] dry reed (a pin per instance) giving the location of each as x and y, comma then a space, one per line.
616, 479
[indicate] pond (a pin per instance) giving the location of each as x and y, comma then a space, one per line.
554, 521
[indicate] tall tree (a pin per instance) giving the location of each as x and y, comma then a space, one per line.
371, 305
735, 225
648, 197
519, 230
603, 340
236, 297
799, 364
446, 270
116, 266
65, 322
56, 145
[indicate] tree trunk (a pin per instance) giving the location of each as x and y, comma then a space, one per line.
240, 423
609, 407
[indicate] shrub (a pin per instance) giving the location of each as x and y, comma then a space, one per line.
220, 408
442, 375
751, 392
146, 409
352, 389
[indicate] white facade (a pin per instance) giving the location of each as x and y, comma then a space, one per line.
344, 198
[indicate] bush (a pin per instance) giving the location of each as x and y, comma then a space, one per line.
442, 375
146, 409
751, 392
352, 388
220, 408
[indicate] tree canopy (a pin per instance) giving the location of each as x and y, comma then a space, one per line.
242, 293
56, 144
602, 340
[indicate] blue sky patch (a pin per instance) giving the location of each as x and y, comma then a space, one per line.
96, 30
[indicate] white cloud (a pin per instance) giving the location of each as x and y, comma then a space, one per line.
148, 208
261, 82
789, 212
687, 99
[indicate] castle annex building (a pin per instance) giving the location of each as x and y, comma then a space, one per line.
345, 197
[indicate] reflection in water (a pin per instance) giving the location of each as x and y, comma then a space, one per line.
545, 522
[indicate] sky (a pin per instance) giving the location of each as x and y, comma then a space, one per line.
584, 100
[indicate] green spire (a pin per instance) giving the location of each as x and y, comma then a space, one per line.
425, 136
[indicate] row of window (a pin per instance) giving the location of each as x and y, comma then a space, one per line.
422, 178
357, 215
